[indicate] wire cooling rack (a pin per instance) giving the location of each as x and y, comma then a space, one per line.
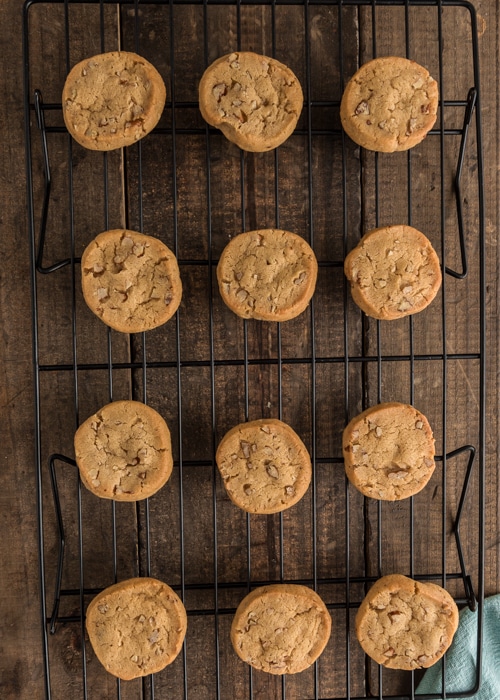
206, 370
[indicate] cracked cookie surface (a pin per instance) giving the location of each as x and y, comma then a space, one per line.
390, 104
130, 280
112, 100
136, 627
124, 451
281, 628
389, 451
264, 465
406, 624
393, 271
269, 275
254, 100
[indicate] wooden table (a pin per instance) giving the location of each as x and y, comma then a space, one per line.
207, 370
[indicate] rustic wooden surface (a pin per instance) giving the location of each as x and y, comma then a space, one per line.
194, 557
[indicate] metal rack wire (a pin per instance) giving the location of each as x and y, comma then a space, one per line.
360, 366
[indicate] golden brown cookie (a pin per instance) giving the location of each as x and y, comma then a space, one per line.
390, 104
130, 280
281, 628
112, 100
123, 451
269, 275
406, 624
254, 100
394, 271
136, 627
264, 465
389, 451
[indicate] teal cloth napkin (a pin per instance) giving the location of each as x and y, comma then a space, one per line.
461, 658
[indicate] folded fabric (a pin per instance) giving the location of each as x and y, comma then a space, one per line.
461, 658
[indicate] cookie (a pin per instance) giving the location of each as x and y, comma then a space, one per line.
112, 100
281, 628
130, 280
136, 627
394, 271
269, 275
264, 465
124, 452
390, 104
406, 624
254, 100
389, 451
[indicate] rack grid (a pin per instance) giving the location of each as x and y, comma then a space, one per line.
205, 369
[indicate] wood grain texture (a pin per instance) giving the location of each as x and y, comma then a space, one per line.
196, 535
